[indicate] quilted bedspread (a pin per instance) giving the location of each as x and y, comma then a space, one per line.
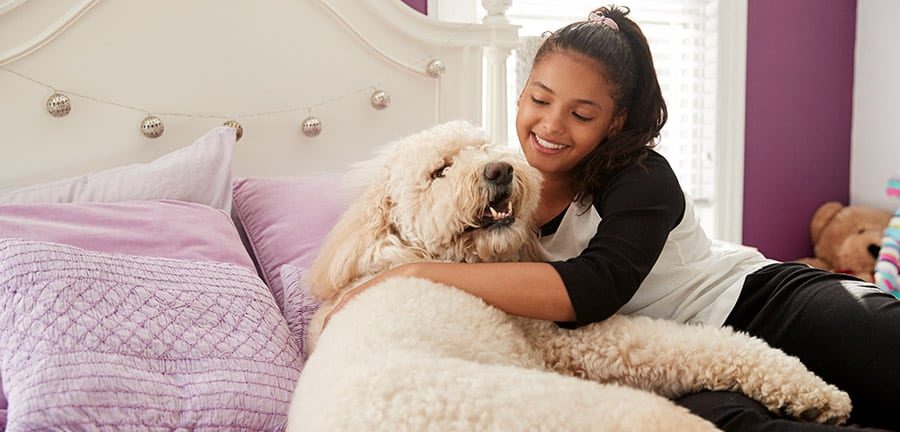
101, 341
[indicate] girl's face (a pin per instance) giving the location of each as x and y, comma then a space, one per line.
565, 111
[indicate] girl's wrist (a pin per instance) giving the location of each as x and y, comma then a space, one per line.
408, 270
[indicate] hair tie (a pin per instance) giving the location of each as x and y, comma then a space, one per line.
603, 19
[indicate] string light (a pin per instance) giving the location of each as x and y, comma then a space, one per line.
239, 130
152, 126
380, 100
311, 126
59, 103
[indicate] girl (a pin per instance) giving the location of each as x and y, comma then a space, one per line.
620, 236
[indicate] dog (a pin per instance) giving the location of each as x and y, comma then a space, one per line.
413, 354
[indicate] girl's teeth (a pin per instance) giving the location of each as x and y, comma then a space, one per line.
548, 144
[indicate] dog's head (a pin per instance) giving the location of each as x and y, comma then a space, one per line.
443, 194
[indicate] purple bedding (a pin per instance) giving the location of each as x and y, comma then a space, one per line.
103, 341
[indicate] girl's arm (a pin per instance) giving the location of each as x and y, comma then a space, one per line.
639, 208
532, 290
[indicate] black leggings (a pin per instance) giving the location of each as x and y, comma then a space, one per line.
845, 330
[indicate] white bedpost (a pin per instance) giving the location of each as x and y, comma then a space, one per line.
495, 55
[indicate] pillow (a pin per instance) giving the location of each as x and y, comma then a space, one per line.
299, 305
199, 173
285, 220
162, 228
96, 340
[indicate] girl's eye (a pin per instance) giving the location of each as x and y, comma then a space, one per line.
440, 172
538, 101
581, 117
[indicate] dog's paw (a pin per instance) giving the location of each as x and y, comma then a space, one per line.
827, 405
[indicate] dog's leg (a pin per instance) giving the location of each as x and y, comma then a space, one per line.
673, 359
413, 391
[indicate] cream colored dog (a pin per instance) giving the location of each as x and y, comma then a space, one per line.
409, 354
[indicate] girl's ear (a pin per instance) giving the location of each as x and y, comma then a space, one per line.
618, 122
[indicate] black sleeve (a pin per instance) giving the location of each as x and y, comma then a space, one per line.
639, 207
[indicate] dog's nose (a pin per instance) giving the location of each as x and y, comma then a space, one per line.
498, 173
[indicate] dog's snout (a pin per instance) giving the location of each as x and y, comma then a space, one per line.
500, 173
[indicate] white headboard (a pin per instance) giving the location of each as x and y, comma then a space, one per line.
268, 65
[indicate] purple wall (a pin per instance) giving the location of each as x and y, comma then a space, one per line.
419, 5
799, 107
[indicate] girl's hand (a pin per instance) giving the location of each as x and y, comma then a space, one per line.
403, 270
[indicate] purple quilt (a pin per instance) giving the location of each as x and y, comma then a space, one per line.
101, 341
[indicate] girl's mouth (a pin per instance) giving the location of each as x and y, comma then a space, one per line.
545, 146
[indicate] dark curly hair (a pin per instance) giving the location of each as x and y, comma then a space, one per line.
626, 63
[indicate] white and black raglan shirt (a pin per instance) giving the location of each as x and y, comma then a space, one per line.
639, 249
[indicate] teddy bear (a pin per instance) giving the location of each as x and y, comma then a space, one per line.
847, 239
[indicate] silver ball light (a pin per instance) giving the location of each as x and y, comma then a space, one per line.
152, 127
311, 126
380, 100
435, 68
239, 130
59, 105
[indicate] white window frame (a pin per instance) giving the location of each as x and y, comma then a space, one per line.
731, 117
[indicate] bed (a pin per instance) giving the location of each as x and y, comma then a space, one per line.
170, 169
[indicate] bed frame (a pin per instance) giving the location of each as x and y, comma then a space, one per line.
198, 64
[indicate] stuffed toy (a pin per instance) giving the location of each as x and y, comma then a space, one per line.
847, 239
886, 270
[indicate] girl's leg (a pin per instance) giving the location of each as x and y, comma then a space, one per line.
845, 330
735, 412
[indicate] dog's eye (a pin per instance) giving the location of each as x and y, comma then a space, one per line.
440, 172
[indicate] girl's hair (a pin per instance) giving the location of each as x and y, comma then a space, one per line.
623, 54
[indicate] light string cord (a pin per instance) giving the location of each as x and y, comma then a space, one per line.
380, 83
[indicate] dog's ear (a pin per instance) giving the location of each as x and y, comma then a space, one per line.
355, 247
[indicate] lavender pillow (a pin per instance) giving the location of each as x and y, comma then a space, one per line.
162, 228
95, 340
299, 305
200, 173
286, 220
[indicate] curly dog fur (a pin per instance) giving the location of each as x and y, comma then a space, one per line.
409, 354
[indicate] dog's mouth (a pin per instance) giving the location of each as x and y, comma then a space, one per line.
498, 213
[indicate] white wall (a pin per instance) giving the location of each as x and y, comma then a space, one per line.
875, 150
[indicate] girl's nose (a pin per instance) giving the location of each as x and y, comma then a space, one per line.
552, 123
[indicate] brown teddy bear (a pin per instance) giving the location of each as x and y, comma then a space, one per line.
846, 239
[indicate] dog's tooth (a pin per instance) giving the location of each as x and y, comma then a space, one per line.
509, 207
494, 213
